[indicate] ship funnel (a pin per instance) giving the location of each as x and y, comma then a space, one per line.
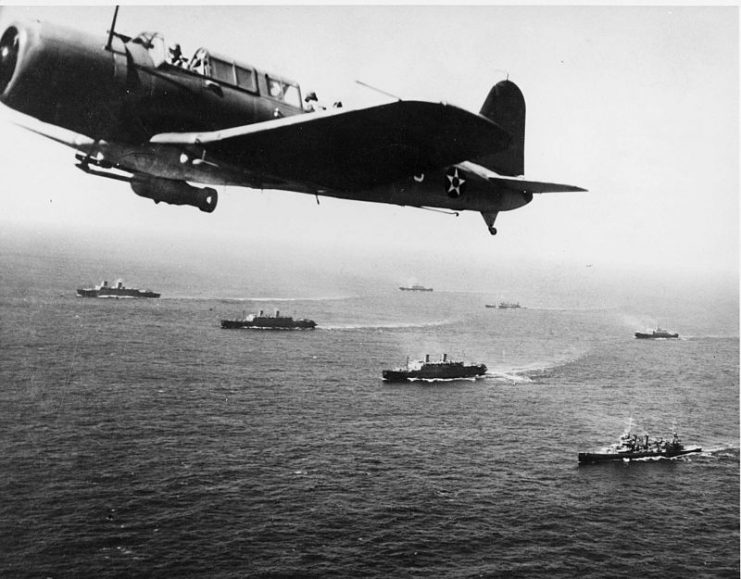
105, 284
277, 313
260, 313
427, 358
445, 357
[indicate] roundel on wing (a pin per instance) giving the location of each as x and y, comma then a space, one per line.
455, 182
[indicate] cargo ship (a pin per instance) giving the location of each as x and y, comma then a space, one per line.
415, 288
116, 291
631, 447
263, 321
442, 370
656, 334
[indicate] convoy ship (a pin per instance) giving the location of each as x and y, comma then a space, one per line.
508, 305
118, 291
415, 288
443, 370
262, 321
631, 447
655, 334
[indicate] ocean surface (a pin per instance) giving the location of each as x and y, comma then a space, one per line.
141, 440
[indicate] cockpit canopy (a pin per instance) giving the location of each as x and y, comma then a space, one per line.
228, 71
154, 43
221, 69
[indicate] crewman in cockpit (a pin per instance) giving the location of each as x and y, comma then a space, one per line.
175, 55
313, 104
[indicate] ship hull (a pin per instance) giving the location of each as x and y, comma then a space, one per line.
444, 373
268, 325
642, 336
597, 457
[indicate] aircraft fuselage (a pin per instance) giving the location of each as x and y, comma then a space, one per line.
137, 115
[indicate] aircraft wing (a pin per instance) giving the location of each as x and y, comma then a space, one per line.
352, 150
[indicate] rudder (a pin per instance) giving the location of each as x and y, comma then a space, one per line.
505, 105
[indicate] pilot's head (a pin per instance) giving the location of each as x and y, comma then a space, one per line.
310, 97
175, 49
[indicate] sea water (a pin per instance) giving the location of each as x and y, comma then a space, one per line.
141, 439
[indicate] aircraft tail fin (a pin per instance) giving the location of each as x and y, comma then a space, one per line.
505, 105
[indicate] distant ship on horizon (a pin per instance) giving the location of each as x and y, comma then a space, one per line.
117, 291
505, 306
658, 333
415, 288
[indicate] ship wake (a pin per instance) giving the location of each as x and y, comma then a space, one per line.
431, 380
389, 326
509, 377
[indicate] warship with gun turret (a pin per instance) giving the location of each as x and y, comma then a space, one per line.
631, 447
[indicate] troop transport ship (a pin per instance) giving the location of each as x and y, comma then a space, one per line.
262, 321
118, 291
443, 370
656, 334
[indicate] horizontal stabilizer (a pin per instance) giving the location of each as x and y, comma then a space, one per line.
352, 149
525, 186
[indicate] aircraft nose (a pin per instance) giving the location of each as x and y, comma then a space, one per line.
8, 56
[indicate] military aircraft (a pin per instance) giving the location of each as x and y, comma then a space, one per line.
136, 113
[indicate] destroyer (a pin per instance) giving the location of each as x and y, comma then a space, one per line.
655, 334
631, 446
118, 291
443, 370
262, 321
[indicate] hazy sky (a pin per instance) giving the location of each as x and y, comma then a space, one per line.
640, 105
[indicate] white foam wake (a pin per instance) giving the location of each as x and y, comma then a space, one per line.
511, 377
387, 326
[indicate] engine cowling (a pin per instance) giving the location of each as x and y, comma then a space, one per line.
175, 192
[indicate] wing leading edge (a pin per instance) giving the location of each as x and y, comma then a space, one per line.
354, 149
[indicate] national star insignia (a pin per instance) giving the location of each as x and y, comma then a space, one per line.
455, 182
